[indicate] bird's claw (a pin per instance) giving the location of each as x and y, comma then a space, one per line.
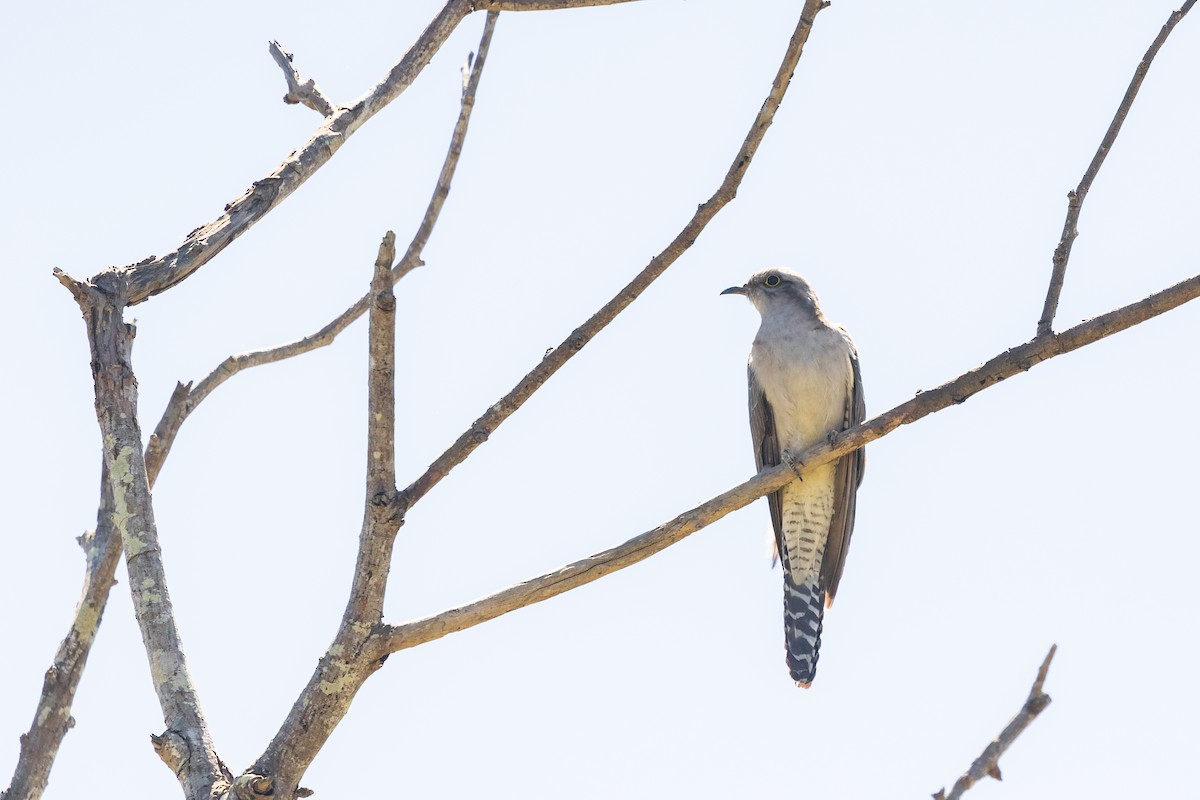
796, 464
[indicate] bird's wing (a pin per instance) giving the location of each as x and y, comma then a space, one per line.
847, 477
766, 450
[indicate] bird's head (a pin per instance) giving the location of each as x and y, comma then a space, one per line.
778, 290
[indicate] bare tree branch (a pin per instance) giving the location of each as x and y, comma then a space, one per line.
186, 745
412, 256
496, 414
307, 92
185, 399
350, 660
1005, 365
988, 763
1062, 253
157, 274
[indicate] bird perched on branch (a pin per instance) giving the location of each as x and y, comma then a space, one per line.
805, 387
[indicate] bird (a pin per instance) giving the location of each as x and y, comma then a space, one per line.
805, 388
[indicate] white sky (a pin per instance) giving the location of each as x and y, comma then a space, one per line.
916, 174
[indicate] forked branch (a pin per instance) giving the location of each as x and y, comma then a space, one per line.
187, 397
186, 745
158, 273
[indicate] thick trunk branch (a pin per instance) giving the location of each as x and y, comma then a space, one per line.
354, 655
186, 745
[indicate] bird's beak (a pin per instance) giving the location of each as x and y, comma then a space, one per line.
735, 290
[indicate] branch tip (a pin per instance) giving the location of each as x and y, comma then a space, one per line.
1075, 198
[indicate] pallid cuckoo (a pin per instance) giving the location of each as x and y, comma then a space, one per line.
805, 386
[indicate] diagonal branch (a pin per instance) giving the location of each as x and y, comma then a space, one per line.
307, 92
53, 717
1062, 253
1005, 365
157, 274
496, 414
988, 763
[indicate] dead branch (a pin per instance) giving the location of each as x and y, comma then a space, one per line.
988, 763
186, 745
307, 92
185, 398
53, 717
157, 274
1062, 253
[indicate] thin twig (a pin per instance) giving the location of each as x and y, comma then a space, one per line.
185, 399
1011, 362
157, 274
988, 763
1062, 253
496, 414
307, 92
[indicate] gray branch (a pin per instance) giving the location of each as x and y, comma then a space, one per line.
186, 745
306, 92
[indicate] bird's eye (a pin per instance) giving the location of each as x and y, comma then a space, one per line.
772, 280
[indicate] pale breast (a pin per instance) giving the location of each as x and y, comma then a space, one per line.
807, 377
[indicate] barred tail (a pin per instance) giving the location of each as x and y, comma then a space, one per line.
803, 612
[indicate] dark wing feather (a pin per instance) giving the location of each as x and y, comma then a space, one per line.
847, 477
766, 450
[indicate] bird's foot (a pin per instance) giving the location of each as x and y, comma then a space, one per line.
796, 464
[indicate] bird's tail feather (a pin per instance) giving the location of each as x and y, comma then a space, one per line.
803, 615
